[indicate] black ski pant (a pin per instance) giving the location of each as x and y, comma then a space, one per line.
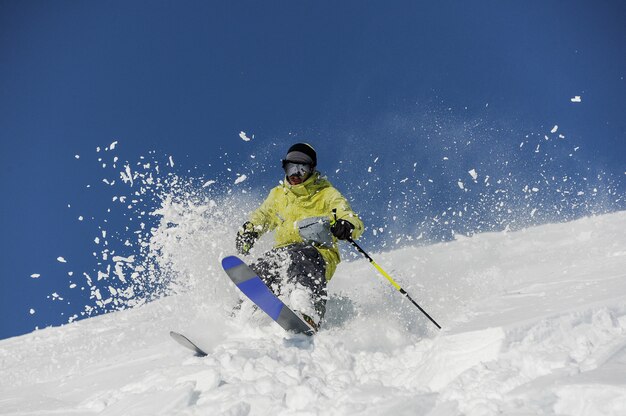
296, 263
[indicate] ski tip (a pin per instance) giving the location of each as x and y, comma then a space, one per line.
176, 335
185, 342
230, 262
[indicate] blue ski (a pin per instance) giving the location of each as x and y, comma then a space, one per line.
253, 287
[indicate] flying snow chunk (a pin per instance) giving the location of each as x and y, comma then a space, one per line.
129, 259
576, 99
127, 175
35, 275
112, 145
240, 179
461, 185
61, 260
473, 174
554, 129
32, 311
243, 136
77, 156
171, 162
208, 183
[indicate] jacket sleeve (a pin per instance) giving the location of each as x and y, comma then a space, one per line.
338, 202
264, 218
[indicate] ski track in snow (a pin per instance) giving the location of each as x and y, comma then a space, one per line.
534, 323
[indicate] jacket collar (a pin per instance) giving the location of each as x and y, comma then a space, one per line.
307, 187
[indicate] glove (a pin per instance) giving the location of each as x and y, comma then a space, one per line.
342, 229
246, 237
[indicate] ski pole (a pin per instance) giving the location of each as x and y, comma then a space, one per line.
393, 283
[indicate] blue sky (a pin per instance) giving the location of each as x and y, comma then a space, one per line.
384, 91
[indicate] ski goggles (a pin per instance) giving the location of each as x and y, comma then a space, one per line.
296, 169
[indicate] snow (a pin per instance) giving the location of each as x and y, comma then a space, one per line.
534, 322
240, 178
129, 259
127, 175
554, 129
35, 275
243, 136
61, 260
576, 99
473, 174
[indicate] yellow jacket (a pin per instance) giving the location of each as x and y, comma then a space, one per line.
287, 204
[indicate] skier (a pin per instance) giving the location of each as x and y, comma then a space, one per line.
309, 215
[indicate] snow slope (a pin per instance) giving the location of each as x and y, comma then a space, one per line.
534, 323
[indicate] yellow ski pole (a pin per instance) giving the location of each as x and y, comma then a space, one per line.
393, 283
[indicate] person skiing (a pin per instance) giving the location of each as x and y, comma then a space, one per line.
308, 215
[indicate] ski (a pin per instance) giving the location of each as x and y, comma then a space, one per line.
185, 342
253, 287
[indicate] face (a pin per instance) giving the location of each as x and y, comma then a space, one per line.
297, 172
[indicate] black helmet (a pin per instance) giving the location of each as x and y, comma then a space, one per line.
301, 153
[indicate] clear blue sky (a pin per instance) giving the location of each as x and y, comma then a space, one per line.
408, 82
